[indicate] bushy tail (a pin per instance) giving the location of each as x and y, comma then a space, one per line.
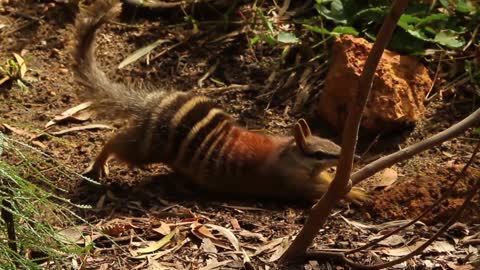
109, 99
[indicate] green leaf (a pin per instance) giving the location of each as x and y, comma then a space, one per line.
449, 39
408, 22
477, 131
1, 143
419, 34
22, 85
157, 245
288, 38
285, 53
375, 14
446, 3
317, 29
434, 18
345, 30
335, 13
265, 20
254, 40
465, 6
269, 40
403, 42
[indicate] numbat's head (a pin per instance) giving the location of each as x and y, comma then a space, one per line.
306, 157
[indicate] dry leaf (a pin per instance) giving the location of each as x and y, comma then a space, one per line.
246, 208
235, 224
268, 247
22, 64
437, 247
402, 251
249, 234
441, 247
463, 267
228, 234
215, 265
72, 235
86, 127
157, 255
391, 241
379, 227
279, 250
386, 178
164, 229
76, 113
20, 132
115, 230
4, 79
208, 246
104, 266
203, 232
39, 144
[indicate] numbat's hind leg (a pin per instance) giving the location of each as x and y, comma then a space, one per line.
124, 146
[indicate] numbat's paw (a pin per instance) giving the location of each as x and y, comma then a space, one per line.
348, 187
96, 172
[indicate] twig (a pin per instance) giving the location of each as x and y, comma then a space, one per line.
231, 87
412, 150
157, 3
209, 72
435, 77
338, 187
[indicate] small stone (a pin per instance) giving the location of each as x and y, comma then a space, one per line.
63, 70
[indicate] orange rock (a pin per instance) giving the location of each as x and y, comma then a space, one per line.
399, 88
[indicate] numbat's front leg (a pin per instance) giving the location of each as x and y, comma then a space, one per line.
123, 146
99, 168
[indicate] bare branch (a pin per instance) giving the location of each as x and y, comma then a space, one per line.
322, 209
412, 150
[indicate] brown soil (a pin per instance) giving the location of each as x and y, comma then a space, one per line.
43, 35
409, 198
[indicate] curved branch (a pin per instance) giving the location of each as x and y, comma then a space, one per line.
412, 150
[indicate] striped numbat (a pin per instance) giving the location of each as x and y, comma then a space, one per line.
193, 136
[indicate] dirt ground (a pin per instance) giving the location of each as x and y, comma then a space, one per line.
147, 197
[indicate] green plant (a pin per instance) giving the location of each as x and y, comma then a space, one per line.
445, 24
270, 34
14, 69
32, 211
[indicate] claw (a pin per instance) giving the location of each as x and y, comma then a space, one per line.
95, 172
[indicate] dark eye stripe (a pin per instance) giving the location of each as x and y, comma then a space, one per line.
323, 155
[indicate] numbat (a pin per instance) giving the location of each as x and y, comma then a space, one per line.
194, 137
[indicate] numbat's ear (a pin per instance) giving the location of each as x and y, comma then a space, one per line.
305, 127
299, 136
